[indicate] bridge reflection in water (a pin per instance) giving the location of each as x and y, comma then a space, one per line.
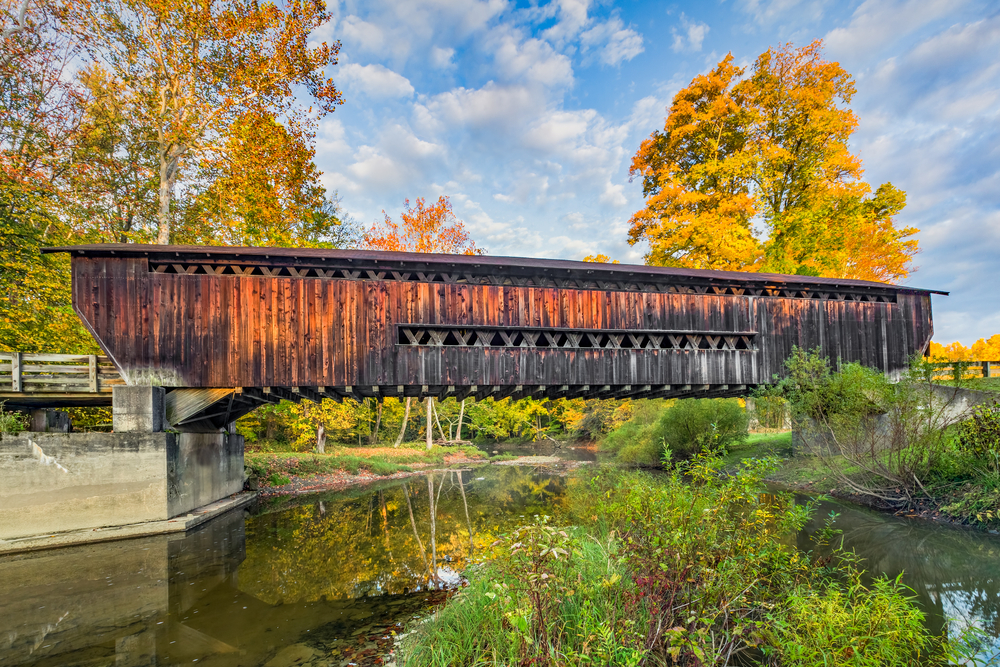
323, 579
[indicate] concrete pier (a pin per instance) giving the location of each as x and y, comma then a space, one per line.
61, 482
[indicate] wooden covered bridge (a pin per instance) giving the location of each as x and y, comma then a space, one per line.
225, 329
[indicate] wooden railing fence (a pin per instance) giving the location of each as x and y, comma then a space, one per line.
45, 373
968, 369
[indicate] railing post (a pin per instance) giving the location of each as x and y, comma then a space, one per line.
15, 371
92, 359
986, 369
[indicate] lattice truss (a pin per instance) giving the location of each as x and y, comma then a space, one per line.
574, 339
464, 278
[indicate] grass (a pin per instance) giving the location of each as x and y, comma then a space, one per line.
978, 383
794, 471
273, 467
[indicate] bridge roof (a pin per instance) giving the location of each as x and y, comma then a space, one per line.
473, 263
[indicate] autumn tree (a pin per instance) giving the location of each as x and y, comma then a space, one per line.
189, 71
768, 146
422, 228
109, 188
600, 259
39, 105
261, 188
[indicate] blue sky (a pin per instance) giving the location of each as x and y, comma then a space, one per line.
527, 116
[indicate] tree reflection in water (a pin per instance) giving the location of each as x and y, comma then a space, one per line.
953, 572
400, 538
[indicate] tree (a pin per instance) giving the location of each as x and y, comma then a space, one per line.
600, 259
39, 107
423, 228
261, 188
110, 186
189, 71
768, 147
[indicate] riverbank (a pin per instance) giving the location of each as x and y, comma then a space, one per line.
294, 473
818, 475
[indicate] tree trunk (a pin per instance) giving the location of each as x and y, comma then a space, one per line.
461, 416
430, 423
321, 439
168, 177
444, 438
406, 418
378, 423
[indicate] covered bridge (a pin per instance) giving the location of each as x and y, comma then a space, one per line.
253, 325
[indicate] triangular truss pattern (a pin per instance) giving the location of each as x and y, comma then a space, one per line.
431, 336
714, 288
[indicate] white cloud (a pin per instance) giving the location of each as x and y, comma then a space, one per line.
877, 24
441, 58
613, 42
375, 81
691, 37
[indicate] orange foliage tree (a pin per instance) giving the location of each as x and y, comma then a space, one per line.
767, 146
423, 228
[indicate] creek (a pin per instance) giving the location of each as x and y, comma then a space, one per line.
326, 579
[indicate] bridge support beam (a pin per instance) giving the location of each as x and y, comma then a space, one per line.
138, 409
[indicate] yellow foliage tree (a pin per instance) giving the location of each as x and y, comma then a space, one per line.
768, 146
423, 228
984, 349
261, 188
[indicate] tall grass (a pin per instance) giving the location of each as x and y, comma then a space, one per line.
494, 621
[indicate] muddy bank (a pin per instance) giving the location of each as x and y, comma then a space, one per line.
341, 480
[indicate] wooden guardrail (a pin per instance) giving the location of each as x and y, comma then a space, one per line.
47, 373
968, 368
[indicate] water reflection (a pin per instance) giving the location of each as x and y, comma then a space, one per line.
954, 573
324, 579
406, 537
321, 580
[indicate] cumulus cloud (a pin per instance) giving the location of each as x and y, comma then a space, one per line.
690, 37
375, 80
877, 24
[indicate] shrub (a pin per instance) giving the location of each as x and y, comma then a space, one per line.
660, 429
694, 425
979, 436
636, 440
688, 568
12, 422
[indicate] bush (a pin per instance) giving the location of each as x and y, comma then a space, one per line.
694, 425
661, 429
688, 568
636, 440
979, 436
12, 422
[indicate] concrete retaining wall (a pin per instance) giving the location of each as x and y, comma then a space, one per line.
55, 482
202, 468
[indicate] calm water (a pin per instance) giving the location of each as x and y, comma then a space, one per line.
325, 579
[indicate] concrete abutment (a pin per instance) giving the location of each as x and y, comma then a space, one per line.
58, 481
